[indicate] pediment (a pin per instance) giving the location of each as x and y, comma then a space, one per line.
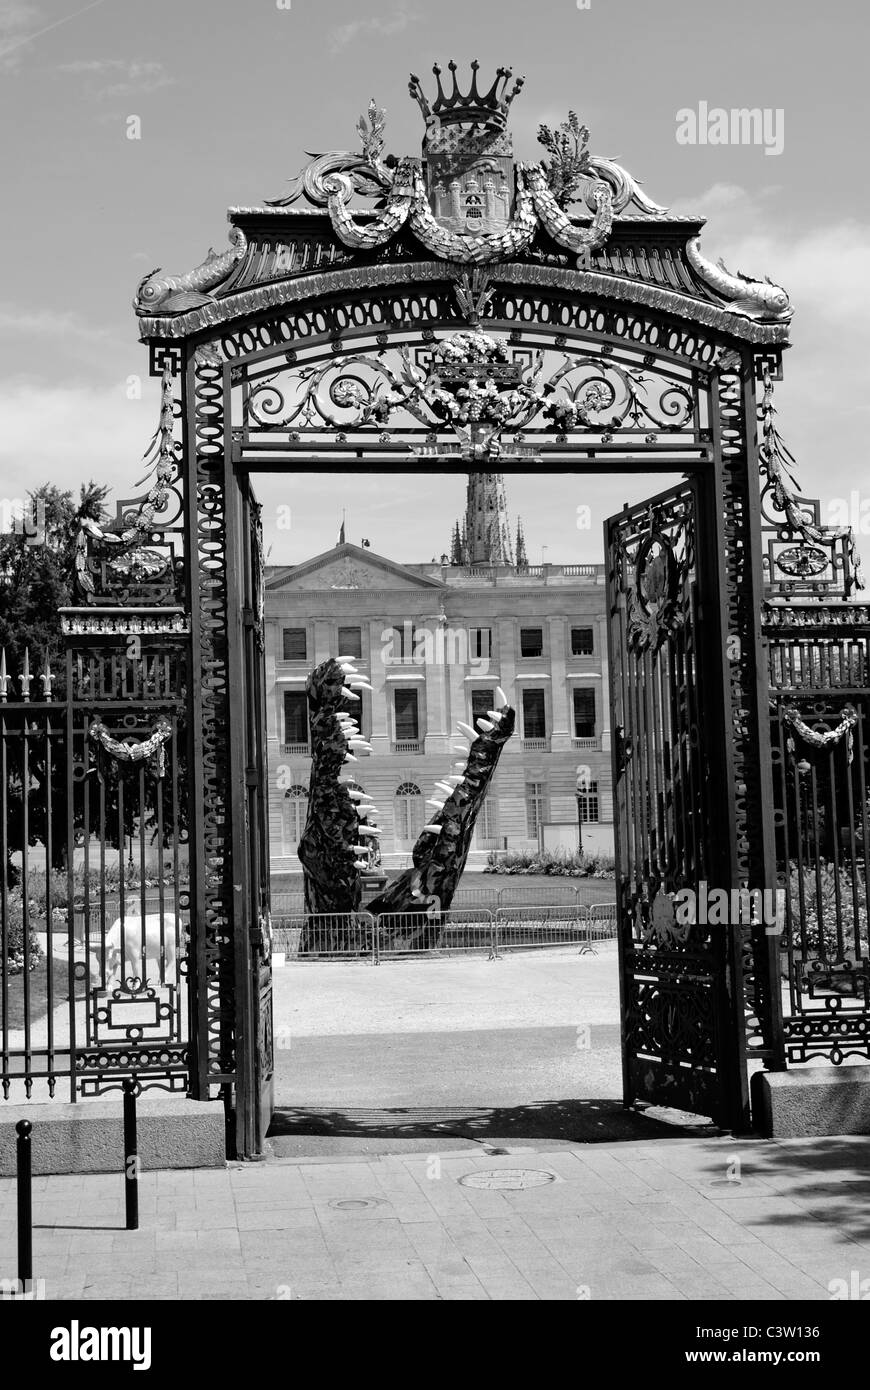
349, 567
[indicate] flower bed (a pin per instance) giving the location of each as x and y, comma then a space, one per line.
550, 863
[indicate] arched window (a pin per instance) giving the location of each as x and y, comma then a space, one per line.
409, 812
295, 809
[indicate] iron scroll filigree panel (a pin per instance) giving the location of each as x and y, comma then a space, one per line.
475, 394
673, 969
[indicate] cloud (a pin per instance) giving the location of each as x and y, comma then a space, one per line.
343, 34
822, 267
107, 78
18, 23
49, 323
822, 400
17, 17
69, 434
34, 340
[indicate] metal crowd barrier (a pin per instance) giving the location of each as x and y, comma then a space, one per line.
392, 935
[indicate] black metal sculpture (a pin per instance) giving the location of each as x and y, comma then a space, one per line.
330, 847
438, 859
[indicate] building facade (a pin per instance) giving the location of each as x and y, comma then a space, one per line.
435, 640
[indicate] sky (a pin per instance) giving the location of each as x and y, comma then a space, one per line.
230, 97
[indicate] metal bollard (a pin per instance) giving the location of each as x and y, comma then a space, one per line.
131, 1157
25, 1205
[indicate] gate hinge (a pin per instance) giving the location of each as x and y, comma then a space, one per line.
248, 618
252, 777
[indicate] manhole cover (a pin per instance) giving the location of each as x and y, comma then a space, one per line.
509, 1179
355, 1203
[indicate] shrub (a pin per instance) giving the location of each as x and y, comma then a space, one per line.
823, 906
58, 884
15, 938
554, 863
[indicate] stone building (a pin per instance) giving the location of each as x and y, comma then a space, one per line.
435, 640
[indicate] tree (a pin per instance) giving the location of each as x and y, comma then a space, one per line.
36, 581
36, 572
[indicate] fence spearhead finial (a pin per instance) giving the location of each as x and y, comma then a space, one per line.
47, 679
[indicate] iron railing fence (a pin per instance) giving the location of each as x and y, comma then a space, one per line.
820, 711
35, 970
94, 901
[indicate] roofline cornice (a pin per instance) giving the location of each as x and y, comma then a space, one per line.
239, 306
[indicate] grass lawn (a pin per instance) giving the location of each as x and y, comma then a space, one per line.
38, 981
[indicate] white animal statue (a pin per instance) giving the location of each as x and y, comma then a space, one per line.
159, 958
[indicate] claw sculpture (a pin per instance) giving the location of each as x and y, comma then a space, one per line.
330, 845
426, 889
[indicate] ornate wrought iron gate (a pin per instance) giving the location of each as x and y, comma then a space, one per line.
681, 1045
250, 834
395, 339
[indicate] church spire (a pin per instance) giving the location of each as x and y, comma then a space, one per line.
486, 521
522, 557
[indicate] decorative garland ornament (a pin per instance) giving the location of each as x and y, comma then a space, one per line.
776, 464
822, 739
135, 750
128, 551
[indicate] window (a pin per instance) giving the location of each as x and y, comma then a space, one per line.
584, 713
581, 641
295, 808
295, 717
407, 716
481, 701
587, 802
479, 642
534, 809
409, 812
350, 641
295, 646
531, 641
534, 719
403, 641
487, 824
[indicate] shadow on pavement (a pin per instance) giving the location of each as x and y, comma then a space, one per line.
556, 1122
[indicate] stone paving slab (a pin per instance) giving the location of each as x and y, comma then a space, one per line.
680, 1219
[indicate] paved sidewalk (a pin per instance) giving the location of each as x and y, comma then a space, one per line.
523, 989
663, 1219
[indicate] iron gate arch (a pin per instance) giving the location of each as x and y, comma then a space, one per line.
219, 372
304, 295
